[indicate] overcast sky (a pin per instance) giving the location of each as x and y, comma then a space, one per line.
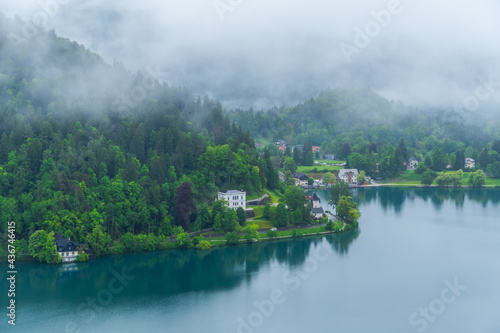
271, 52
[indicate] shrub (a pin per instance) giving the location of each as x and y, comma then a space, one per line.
183, 240
272, 233
232, 238
329, 225
242, 216
267, 211
197, 240
251, 232
421, 168
203, 245
338, 226
82, 257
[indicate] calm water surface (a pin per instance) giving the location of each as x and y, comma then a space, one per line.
423, 260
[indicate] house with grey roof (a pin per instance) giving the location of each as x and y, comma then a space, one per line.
66, 248
316, 211
300, 179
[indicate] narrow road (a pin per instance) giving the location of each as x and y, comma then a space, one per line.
259, 199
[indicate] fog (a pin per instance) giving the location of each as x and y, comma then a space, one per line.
256, 53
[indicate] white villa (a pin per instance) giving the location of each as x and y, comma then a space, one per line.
234, 198
349, 175
470, 163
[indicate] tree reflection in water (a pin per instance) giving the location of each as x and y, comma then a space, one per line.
173, 272
394, 198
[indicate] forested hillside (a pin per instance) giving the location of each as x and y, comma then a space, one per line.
76, 157
367, 130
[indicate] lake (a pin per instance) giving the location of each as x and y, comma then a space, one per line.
423, 260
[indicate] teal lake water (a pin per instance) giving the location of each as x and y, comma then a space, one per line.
423, 260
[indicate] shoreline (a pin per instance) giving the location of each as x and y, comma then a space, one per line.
213, 242
403, 184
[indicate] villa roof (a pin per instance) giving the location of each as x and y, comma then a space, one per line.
234, 192
317, 210
346, 171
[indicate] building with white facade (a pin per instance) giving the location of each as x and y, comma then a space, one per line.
349, 175
234, 199
412, 164
470, 163
66, 248
316, 210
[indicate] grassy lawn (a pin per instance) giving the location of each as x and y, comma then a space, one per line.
274, 196
411, 178
259, 219
262, 223
220, 241
330, 162
254, 196
318, 168
301, 231
492, 181
258, 210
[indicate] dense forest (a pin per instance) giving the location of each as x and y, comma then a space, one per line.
97, 153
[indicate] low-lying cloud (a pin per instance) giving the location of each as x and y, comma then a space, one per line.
256, 53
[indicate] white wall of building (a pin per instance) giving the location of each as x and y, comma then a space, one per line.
235, 199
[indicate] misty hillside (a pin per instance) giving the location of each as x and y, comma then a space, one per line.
339, 116
55, 74
80, 153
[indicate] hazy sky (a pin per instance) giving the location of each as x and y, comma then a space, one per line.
260, 53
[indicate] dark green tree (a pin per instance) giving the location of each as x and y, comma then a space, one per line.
267, 211
289, 165
294, 198
242, 216
340, 189
297, 156
184, 206
348, 211
484, 159
229, 220
280, 216
232, 238
477, 178
428, 177
42, 247
438, 160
